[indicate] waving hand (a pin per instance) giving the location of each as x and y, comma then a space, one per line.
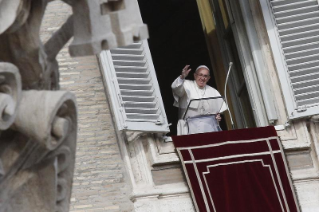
185, 72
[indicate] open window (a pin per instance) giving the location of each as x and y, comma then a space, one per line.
228, 41
240, 96
176, 39
252, 98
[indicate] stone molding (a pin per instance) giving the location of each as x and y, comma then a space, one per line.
38, 124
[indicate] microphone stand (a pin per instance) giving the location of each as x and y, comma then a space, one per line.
225, 94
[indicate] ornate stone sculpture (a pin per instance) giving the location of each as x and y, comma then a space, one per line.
38, 123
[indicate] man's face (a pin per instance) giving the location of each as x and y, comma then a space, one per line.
202, 77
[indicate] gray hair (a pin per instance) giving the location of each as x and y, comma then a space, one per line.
202, 66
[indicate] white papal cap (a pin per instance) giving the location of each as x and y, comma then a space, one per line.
202, 66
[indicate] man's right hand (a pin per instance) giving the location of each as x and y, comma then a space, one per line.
185, 72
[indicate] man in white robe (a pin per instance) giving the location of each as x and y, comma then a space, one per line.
198, 114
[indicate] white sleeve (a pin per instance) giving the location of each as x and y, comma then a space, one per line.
178, 88
179, 81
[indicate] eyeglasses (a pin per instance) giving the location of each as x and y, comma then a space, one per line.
203, 76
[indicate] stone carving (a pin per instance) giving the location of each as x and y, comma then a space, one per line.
133, 135
46, 122
108, 6
127, 24
42, 117
92, 30
38, 123
10, 91
8, 9
105, 24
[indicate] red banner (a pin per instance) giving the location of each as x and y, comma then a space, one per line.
237, 171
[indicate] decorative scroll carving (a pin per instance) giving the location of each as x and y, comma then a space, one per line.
39, 117
38, 123
47, 120
10, 89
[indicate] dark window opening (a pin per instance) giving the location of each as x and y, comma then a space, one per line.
177, 39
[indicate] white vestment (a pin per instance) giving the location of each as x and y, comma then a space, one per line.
186, 90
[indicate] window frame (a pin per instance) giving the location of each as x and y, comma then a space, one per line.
248, 65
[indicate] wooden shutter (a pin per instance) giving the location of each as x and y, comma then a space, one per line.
133, 88
293, 28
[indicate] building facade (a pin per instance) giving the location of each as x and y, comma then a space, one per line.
124, 162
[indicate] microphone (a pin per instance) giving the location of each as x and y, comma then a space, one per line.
225, 94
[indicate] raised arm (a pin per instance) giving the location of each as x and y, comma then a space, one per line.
177, 85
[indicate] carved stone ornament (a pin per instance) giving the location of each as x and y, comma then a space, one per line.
10, 92
127, 24
132, 136
38, 123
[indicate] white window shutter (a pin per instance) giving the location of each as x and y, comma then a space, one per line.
133, 88
293, 29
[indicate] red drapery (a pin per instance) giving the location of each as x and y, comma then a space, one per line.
237, 171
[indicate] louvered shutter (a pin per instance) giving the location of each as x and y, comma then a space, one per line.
293, 29
133, 88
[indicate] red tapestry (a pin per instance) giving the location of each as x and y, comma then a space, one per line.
237, 171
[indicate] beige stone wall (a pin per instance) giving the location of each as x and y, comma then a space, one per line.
100, 182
